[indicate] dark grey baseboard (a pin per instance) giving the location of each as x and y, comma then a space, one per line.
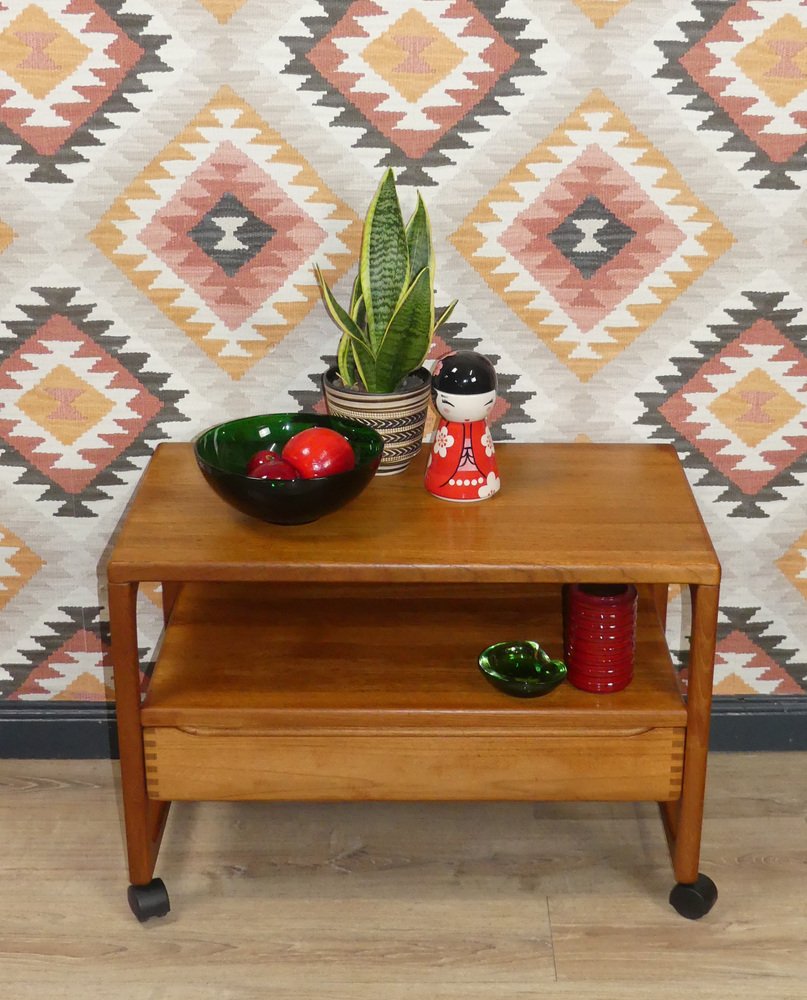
77, 730
759, 723
63, 731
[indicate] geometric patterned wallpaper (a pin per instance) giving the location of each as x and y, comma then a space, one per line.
618, 192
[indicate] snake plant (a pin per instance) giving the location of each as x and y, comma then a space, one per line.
389, 326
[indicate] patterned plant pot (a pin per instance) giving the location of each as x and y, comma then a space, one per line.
399, 417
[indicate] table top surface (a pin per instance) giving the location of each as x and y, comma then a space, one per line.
565, 512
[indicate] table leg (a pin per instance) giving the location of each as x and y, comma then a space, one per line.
660, 597
170, 592
683, 819
144, 818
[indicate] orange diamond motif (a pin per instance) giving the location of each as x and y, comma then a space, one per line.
223, 10
601, 11
755, 407
65, 405
6, 236
776, 61
413, 56
794, 564
736, 406
743, 69
68, 69
74, 411
17, 565
38, 52
421, 80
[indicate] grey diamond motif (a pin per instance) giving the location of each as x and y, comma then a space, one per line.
230, 234
591, 236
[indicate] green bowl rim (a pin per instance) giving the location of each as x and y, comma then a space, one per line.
378, 440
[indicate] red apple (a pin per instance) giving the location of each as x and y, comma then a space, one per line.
273, 469
264, 457
319, 451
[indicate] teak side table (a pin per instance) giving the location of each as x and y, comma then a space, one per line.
337, 660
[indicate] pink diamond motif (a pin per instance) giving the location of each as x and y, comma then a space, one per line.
588, 301
232, 298
221, 231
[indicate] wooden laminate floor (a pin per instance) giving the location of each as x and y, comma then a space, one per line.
393, 901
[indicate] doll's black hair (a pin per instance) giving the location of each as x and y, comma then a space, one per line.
464, 373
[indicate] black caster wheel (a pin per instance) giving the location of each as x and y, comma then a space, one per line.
150, 900
693, 900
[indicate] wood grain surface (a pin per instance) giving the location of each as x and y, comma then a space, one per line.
380, 659
345, 655
586, 512
361, 901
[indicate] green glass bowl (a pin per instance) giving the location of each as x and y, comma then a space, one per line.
222, 453
521, 668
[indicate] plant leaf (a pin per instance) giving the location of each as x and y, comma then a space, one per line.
344, 360
355, 294
419, 240
365, 365
363, 361
409, 335
342, 319
358, 313
449, 309
384, 263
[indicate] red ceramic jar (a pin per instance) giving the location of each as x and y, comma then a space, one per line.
599, 628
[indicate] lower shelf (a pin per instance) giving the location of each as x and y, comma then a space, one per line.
367, 693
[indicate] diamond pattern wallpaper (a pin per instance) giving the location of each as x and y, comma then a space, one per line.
619, 200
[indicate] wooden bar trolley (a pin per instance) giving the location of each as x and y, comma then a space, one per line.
337, 660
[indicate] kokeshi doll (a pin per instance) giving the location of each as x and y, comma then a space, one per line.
462, 465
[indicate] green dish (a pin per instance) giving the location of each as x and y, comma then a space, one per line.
521, 668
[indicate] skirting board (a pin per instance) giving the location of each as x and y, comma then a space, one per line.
61, 731
77, 730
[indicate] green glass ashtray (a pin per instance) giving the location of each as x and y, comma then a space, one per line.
521, 668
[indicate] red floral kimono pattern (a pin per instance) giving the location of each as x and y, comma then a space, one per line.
462, 465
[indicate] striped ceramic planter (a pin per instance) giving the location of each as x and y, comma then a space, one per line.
399, 417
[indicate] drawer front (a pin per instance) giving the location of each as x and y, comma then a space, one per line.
214, 765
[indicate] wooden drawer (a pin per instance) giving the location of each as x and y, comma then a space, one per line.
214, 765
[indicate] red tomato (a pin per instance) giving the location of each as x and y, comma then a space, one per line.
319, 451
264, 457
275, 468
